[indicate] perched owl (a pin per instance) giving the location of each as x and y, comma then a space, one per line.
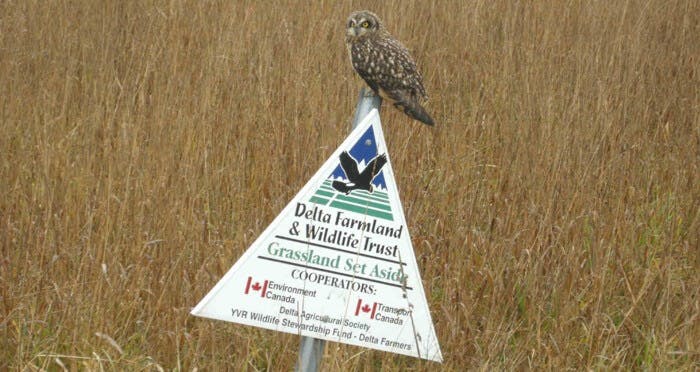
385, 64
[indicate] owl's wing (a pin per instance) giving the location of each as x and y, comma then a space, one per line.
407, 76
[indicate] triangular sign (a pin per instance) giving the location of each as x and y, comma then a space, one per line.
337, 263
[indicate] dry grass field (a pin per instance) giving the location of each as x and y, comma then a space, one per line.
554, 209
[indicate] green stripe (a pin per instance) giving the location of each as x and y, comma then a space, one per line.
371, 196
324, 193
362, 210
317, 200
362, 202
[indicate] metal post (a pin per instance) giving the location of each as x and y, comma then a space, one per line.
311, 349
366, 102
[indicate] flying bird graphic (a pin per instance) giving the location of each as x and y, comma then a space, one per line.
358, 181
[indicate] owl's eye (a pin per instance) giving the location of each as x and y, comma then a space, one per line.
365, 24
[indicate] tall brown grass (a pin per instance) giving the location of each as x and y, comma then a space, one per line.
554, 208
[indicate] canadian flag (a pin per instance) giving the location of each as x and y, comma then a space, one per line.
249, 285
366, 308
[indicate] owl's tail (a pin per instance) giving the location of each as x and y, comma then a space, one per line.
415, 110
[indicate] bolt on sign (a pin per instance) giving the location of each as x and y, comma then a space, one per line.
337, 264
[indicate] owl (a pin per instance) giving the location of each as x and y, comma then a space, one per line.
385, 64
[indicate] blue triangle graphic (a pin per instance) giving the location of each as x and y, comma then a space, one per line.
364, 150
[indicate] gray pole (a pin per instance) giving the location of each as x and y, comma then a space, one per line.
366, 102
311, 349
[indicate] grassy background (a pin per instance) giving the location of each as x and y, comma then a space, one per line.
554, 208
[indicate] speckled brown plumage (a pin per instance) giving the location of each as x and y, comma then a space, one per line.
385, 64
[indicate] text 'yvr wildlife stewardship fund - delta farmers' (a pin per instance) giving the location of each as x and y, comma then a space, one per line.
357, 327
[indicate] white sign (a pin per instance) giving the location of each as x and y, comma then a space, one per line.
337, 263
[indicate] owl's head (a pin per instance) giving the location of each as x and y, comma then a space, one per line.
362, 23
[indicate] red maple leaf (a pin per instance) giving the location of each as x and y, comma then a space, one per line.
366, 308
256, 286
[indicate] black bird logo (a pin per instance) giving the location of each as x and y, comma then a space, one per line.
358, 181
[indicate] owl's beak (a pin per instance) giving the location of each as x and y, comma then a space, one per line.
351, 31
